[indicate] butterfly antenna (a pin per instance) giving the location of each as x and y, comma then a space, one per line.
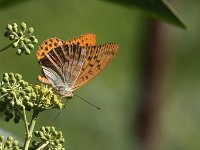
88, 102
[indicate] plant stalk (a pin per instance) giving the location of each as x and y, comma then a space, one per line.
30, 130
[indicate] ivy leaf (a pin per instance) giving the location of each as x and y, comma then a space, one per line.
158, 9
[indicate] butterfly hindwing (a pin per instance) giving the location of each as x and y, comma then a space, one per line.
64, 61
53, 77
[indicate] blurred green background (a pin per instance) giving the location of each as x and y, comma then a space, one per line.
116, 89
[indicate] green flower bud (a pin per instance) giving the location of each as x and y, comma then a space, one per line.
36, 133
31, 46
48, 128
57, 142
14, 25
18, 102
22, 93
27, 52
11, 75
30, 30
23, 26
15, 29
16, 120
59, 133
30, 104
26, 41
18, 76
55, 133
41, 134
62, 140
5, 75
13, 80
8, 143
11, 37
7, 119
53, 129
20, 34
5, 79
15, 44
7, 34
16, 148
12, 93
25, 84
3, 90
19, 51
9, 27
10, 138
28, 89
1, 139
26, 98
43, 138
42, 128
32, 38
33, 95
35, 41
15, 142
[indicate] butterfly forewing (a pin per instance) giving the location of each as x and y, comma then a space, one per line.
47, 46
85, 40
97, 58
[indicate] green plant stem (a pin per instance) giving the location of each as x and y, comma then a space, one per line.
8, 46
26, 122
30, 130
43, 145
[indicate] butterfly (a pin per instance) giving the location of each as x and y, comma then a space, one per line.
68, 65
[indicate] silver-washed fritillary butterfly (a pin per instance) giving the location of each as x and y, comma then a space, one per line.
68, 65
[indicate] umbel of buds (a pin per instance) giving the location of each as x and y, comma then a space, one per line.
22, 37
50, 138
8, 144
17, 95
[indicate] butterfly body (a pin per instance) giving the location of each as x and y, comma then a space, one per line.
71, 64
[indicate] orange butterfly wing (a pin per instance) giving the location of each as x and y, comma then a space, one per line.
87, 39
97, 58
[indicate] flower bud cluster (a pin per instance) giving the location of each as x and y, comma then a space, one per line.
8, 144
22, 37
50, 138
45, 98
17, 95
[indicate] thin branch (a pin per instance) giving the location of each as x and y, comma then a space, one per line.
43, 146
8, 46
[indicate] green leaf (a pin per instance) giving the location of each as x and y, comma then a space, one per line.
159, 9
5, 3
